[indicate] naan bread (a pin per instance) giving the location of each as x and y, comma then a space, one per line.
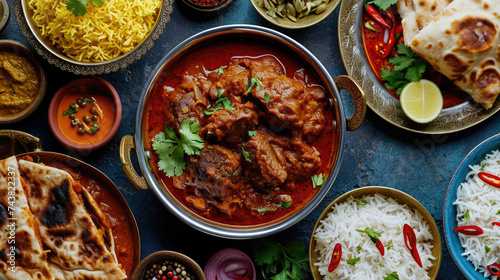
79, 250
21, 251
416, 14
462, 42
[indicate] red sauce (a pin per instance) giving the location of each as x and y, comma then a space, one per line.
452, 95
213, 56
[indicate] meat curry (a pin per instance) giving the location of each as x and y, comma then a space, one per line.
265, 134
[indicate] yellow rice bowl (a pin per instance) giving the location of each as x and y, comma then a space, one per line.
104, 33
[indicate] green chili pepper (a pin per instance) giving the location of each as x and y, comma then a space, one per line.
369, 25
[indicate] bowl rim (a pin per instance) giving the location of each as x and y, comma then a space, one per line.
6, 13
54, 105
475, 156
207, 9
385, 191
159, 255
296, 25
93, 68
28, 54
196, 221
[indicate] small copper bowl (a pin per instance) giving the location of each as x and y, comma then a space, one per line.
190, 265
24, 51
88, 83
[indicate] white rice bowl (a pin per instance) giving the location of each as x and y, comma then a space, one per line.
385, 216
483, 203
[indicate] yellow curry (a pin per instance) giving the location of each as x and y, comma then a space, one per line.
19, 83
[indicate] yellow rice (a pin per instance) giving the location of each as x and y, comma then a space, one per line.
103, 33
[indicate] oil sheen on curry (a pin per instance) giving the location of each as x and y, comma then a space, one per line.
257, 128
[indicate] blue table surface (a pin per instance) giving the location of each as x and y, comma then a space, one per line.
376, 154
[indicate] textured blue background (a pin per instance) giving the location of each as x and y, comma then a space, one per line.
375, 154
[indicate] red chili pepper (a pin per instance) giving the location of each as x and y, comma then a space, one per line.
490, 179
380, 247
399, 29
375, 15
496, 224
469, 230
336, 255
411, 243
390, 43
379, 49
391, 16
497, 268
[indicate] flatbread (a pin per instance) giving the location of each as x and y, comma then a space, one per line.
21, 251
462, 42
416, 14
79, 249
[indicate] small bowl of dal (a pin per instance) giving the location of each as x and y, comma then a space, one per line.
94, 39
22, 82
346, 228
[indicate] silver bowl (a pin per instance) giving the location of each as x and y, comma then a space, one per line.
47, 50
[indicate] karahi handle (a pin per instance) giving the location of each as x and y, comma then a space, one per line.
126, 147
359, 97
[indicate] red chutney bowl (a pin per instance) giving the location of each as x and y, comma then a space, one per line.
91, 124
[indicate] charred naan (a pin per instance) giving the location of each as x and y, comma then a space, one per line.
21, 251
463, 43
80, 249
416, 14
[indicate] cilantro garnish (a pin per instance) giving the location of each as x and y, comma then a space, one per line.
353, 261
231, 174
92, 129
221, 102
318, 180
89, 99
392, 276
281, 262
383, 4
389, 246
252, 133
255, 82
498, 213
246, 155
488, 249
68, 112
358, 248
371, 233
408, 67
466, 216
360, 202
285, 204
171, 148
79, 7
220, 70
266, 97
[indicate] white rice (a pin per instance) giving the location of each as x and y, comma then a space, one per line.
385, 216
483, 203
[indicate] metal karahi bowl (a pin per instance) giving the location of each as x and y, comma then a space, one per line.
54, 56
139, 141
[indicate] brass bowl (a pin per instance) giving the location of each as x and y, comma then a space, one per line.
23, 50
189, 263
401, 198
285, 22
4, 14
54, 56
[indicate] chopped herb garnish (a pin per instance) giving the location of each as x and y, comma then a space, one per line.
231, 174
92, 129
89, 99
353, 261
285, 204
252, 133
68, 112
392, 276
246, 155
360, 202
380, 264
488, 249
79, 7
466, 216
220, 92
498, 213
267, 98
171, 148
224, 101
371, 233
255, 82
220, 70
358, 248
389, 246
317, 180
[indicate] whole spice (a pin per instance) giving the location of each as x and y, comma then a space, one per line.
411, 243
469, 230
490, 179
336, 255
207, 3
167, 270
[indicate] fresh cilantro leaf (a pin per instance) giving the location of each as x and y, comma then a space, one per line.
498, 213
466, 216
266, 97
68, 112
394, 79
232, 174
414, 73
384, 4
317, 180
220, 92
360, 202
246, 155
282, 262
227, 103
358, 248
252, 133
89, 99
79, 7
371, 233
92, 129
213, 109
255, 82
401, 62
488, 249
380, 264
224, 101
285, 204
220, 70
172, 148
353, 261
392, 276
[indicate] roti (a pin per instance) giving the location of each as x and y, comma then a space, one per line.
462, 42
21, 251
416, 14
79, 237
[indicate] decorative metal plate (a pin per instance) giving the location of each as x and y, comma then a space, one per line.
44, 48
379, 99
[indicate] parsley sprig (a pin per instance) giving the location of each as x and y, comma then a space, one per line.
283, 262
79, 7
171, 148
408, 67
